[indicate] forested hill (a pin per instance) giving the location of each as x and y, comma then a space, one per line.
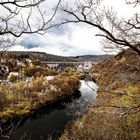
42, 56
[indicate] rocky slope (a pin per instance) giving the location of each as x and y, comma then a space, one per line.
119, 71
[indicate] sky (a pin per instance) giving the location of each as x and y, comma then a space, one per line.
71, 39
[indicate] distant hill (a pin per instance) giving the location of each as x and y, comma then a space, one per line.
95, 58
42, 56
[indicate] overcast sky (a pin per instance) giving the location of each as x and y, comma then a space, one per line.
71, 39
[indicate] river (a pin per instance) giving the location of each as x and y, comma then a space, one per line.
51, 120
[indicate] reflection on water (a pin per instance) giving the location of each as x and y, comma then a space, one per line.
51, 120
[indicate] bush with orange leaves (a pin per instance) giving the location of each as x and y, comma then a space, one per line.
66, 88
73, 82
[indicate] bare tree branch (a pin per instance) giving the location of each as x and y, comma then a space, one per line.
120, 32
8, 131
14, 23
133, 2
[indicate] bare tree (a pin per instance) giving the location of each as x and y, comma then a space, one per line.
119, 32
19, 17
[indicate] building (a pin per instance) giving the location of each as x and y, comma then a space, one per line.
86, 67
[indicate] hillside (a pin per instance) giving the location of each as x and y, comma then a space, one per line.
42, 56
116, 113
120, 71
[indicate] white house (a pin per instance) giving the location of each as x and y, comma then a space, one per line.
86, 68
80, 68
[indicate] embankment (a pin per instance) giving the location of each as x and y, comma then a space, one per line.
116, 114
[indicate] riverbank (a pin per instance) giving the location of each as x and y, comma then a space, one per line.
21, 98
50, 120
116, 113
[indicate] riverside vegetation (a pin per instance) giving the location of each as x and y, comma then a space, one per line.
27, 84
116, 113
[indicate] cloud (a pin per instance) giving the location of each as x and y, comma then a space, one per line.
76, 40
70, 39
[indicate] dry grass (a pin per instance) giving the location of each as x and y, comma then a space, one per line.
21, 97
116, 114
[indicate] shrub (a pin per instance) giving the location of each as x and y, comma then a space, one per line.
38, 85
30, 71
132, 90
3, 101
73, 82
65, 88
13, 76
37, 71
